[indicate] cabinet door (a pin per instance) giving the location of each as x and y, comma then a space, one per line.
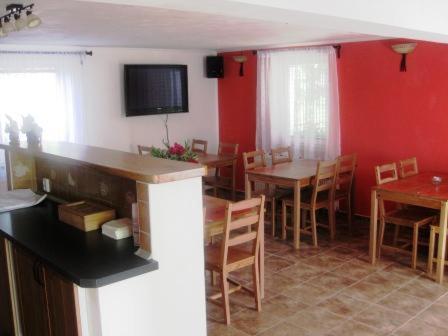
31, 294
62, 303
6, 317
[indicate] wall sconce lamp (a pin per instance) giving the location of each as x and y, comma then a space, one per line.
404, 49
241, 59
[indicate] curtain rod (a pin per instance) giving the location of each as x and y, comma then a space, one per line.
26, 52
335, 46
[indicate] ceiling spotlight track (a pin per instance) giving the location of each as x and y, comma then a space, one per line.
17, 18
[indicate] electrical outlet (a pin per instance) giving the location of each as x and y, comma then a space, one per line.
46, 184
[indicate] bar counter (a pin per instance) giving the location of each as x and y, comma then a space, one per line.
89, 259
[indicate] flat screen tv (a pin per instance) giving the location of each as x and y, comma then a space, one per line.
155, 89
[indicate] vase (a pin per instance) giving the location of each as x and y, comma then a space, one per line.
32, 139
14, 139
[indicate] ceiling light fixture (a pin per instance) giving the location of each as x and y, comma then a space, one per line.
33, 19
17, 18
2, 33
403, 49
241, 59
20, 21
8, 26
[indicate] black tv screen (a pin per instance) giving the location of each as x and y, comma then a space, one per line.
155, 89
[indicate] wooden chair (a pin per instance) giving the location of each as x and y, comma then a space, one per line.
344, 183
321, 196
143, 150
252, 160
412, 217
199, 146
219, 180
435, 230
233, 253
408, 167
281, 155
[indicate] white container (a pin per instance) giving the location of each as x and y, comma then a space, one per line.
117, 228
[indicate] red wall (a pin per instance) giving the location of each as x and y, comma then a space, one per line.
237, 106
386, 115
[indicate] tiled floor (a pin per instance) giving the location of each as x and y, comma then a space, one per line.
333, 290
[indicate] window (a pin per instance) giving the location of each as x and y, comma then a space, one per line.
297, 103
38, 94
47, 87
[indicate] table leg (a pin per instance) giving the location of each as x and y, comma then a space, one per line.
261, 261
233, 180
247, 187
296, 212
442, 243
373, 226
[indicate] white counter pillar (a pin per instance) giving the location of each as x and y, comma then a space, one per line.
171, 300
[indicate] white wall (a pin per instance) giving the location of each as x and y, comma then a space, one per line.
105, 123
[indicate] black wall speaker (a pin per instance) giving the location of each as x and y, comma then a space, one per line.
214, 66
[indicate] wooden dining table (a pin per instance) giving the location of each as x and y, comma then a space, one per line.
217, 161
416, 190
296, 174
215, 209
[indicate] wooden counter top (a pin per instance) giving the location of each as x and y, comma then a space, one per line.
132, 166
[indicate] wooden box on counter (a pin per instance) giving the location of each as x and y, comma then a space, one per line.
85, 215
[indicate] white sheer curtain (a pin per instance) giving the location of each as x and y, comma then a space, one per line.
46, 86
298, 102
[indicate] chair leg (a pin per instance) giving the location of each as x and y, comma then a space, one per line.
284, 215
273, 216
225, 297
304, 217
396, 234
432, 238
381, 238
314, 226
256, 284
349, 213
212, 278
332, 220
215, 192
414, 247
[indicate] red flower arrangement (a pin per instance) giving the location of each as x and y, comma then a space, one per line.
175, 152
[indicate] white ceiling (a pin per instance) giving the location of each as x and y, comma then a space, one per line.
91, 23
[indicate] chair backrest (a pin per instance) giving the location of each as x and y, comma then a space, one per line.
254, 159
240, 217
228, 148
281, 155
345, 172
408, 167
199, 146
143, 150
386, 173
325, 180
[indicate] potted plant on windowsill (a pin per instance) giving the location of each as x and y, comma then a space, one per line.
12, 128
32, 130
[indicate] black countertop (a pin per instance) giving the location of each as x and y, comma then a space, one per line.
89, 259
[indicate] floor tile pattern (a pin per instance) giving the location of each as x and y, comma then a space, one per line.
333, 290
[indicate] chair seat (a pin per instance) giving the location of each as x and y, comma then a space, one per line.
305, 199
269, 194
236, 258
219, 181
341, 194
410, 216
281, 192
